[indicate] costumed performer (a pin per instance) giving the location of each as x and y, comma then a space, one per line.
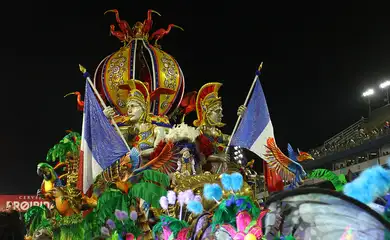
186, 164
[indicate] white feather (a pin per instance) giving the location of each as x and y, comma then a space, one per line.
182, 132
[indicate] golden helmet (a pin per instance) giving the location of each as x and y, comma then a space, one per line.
207, 98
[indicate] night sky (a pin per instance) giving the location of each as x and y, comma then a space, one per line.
317, 62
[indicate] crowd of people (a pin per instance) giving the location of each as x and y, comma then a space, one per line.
359, 137
11, 225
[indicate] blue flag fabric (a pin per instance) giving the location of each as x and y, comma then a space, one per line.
256, 126
102, 139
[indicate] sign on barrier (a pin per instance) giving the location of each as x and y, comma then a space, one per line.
21, 203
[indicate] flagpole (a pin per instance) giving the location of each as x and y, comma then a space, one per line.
265, 174
87, 76
245, 103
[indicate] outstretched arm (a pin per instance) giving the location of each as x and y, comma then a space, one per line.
178, 166
159, 133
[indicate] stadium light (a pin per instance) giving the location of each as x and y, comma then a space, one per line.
367, 94
385, 85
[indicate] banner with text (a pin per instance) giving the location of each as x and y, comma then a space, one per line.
21, 202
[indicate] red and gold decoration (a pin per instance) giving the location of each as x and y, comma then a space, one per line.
138, 59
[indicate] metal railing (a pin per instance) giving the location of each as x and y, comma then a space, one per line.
346, 133
354, 140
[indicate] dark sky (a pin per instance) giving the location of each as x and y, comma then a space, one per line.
317, 61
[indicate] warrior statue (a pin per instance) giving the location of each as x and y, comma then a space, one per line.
138, 128
209, 113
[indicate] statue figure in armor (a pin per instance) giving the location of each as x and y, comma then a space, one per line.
209, 112
138, 128
212, 142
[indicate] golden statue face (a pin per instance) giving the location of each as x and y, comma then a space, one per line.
134, 111
214, 115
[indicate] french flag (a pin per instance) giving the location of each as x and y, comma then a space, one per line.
101, 145
256, 126
254, 130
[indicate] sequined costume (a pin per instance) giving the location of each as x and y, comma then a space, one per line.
186, 166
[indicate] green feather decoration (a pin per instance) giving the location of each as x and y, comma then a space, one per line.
155, 176
70, 220
338, 181
70, 143
111, 200
174, 224
114, 236
223, 215
149, 192
158, 227
69, 227
227, 215
386, 216
92, 226
289, 237
36, 218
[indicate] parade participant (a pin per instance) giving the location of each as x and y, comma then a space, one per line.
186, 164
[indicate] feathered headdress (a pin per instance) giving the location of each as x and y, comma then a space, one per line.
182, 132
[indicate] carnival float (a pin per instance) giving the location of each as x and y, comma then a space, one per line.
140, 171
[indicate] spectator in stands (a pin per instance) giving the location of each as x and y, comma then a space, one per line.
361, 135
11, 225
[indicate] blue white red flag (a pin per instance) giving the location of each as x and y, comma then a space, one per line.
101, 145
256, 126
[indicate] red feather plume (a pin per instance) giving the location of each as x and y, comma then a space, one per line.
157, 150
204, 93
205, 145
189, 102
